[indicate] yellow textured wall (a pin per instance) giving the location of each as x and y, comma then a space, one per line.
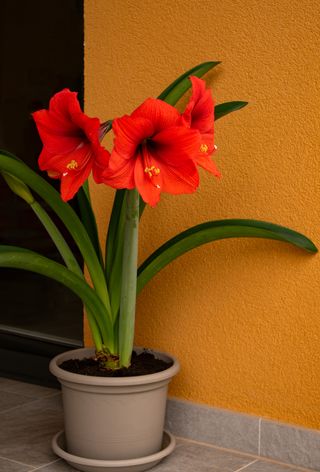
243, 316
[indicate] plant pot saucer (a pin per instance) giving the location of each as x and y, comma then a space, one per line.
128, 465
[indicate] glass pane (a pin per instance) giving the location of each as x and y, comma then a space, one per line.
41, 52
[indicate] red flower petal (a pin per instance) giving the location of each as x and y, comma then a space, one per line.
54, 135
176, 144
206, 163
71, 146
100, 164
158, 112
154, 153
71, 183
148, 189
199, 113
129, 133
180, 179
205, 151
120, 172
153, 174
78, 159
65, 104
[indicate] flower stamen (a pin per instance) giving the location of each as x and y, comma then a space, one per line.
72, 165
203, 148
152, 171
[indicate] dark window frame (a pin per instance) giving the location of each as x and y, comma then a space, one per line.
32, 39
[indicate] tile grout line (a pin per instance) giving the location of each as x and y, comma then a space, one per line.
221, 448
27, 403
247, 465
28, 395
16, 462
45, 465
255, 457
259, 437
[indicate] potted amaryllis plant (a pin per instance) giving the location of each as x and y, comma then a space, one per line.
114, 418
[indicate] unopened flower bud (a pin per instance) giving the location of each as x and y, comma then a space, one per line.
18, 187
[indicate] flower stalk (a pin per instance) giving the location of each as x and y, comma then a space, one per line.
129, 279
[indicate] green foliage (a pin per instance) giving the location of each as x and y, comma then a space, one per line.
213, 231
110, 303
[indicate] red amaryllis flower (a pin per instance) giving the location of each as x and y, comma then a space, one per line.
153, 153
71, 147
199, 114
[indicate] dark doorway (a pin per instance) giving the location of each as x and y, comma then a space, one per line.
41, 52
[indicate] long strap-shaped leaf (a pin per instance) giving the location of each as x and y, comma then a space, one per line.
224, 109
57, 238
212, 231
175, 90
89, 221
114, 230
71, 263
18, 258
67, 215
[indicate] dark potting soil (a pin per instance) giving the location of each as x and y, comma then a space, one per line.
141, 364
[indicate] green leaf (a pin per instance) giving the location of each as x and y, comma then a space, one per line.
175, 90
89, 221
142, 206
68, 258
115, 224
213, 231
56, 236
116, 272
19, 258
66, 214
226, 108
86, 189
18, 187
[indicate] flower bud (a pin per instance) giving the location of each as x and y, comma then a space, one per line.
18, 187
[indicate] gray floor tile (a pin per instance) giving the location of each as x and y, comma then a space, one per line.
190, 457
187, 457
26, 431
8, 466
262, 466
58, 466
26, 389
30, 415
10, 400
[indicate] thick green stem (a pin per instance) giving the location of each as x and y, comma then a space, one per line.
129, 279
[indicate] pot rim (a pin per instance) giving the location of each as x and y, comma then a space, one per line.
62, 374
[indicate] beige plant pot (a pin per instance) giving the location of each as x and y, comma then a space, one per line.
110, 418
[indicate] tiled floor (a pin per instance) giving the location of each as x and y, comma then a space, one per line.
30, 415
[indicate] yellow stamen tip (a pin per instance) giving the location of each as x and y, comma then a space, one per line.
72, 165
151, 171
203, 148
